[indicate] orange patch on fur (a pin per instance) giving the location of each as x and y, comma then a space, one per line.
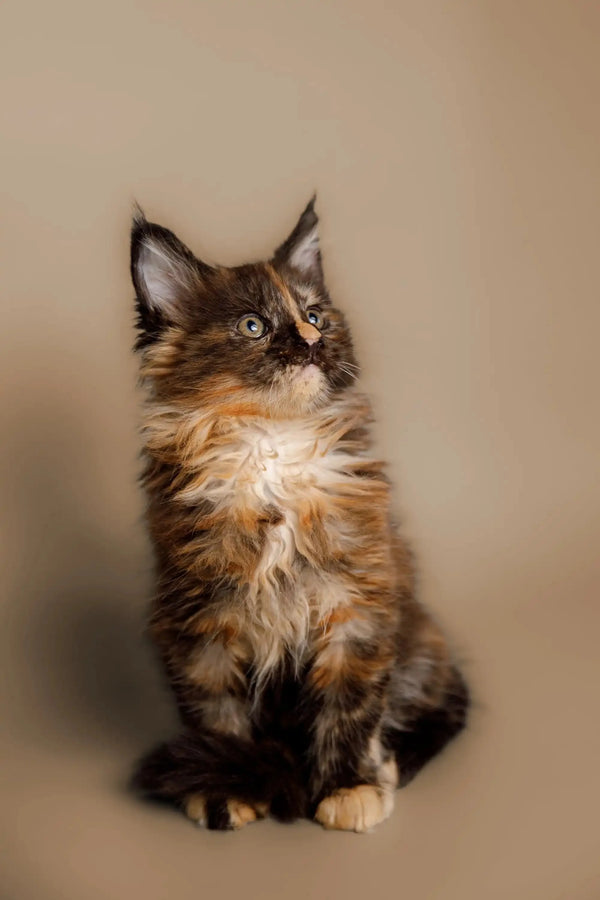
343, 668
284, 291
339, 616
227, 630
308, 332
241, 409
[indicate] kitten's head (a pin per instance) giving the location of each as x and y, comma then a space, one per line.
261, 338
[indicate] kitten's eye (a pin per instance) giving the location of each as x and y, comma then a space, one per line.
315, 318
251, 326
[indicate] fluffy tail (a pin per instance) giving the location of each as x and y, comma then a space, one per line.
220, 766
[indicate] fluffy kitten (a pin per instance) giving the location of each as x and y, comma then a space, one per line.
309, 680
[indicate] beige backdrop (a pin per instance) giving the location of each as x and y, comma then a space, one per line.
454, 146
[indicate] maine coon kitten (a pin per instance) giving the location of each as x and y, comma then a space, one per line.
309, 680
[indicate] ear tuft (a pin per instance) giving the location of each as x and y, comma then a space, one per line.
301, 250
138, 217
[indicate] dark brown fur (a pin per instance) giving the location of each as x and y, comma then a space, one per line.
309, 679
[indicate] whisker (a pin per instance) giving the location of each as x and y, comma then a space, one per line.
343, 367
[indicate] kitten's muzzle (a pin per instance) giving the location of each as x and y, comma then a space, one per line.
313, 339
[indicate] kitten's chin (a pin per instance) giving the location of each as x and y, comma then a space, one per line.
307, 378
299, 390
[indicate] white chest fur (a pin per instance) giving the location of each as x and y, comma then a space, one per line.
285, 466
266, 464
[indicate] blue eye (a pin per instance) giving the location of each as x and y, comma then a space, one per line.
315, 318
251, 326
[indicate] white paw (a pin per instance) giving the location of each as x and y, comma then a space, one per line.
355, 809
240, 813
195, 809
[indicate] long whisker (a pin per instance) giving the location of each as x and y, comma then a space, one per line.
346, 370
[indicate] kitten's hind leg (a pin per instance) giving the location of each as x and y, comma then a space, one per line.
425, 730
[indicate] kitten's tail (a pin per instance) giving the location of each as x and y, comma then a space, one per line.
221, 766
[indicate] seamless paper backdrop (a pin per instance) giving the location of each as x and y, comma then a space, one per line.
454, 148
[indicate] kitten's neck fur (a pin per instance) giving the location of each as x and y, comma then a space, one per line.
276, 475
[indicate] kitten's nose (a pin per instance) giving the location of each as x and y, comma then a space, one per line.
308, 333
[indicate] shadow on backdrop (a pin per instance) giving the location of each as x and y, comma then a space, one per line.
82, 663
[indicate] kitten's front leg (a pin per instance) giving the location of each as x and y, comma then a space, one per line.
353, 778
212, 693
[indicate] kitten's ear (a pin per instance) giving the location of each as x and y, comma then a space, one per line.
301, 250
165, 274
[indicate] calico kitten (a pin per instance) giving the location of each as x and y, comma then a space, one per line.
309, 680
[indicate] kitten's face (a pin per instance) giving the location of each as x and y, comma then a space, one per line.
261, 338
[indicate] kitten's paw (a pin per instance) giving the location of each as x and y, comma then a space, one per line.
195, 808
241, 814
222, 815
355, 809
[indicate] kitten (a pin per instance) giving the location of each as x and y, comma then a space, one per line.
309, 680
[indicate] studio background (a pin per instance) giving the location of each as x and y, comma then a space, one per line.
454, 148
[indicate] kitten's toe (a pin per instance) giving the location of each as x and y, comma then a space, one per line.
195, 808
240, 814
222, 815
355, 809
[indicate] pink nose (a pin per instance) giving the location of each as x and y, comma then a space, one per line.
308, 332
